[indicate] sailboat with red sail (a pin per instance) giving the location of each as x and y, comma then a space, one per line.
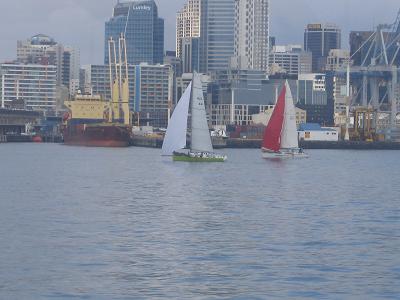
280, 137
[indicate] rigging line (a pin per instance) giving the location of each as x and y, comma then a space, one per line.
127, 19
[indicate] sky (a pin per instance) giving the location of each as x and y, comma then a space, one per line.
80, 23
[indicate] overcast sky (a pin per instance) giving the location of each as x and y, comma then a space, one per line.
80, 23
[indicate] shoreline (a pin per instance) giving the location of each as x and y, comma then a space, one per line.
156, 142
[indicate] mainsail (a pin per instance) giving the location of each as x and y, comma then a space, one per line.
289, 137
175, 138
201, 139
272, 134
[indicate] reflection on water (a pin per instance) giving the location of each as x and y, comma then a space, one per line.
130, 224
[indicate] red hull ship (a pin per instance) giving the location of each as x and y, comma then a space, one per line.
97, 135
95, 122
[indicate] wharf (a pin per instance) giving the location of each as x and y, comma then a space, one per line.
341, 145
18, 138
350, 145
157, 141
146, 141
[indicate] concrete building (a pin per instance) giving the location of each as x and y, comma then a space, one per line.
187, 23
319, 39
252, 34
264, 117
143, 30
336, 89
290, 60
44, 50
337, 59
175, 62
151, 90
35, 85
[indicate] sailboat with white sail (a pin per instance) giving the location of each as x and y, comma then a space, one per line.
280, 136
201, 149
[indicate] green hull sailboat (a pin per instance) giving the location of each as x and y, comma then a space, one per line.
201, 149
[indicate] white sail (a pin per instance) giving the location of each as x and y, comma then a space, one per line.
289, 137
175, 138
201, 139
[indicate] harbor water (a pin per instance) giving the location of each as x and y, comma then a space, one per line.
95, 223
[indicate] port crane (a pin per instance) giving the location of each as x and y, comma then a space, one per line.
374, 92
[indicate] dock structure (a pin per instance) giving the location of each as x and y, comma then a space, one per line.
13, 121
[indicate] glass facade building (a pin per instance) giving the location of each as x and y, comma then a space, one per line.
143, 29
217, 34
319, 39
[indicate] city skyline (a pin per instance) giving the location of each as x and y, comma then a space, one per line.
80, 23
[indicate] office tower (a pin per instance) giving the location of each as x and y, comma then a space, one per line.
143, 30
187, 23
319, 39
252, 34
290, 60
217, 34
33, 84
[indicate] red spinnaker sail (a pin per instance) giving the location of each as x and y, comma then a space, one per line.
272, 134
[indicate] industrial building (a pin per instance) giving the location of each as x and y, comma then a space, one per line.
314, 132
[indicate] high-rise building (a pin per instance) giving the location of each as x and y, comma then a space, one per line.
187, 23
33, 84
217, 34
252, 34
319, 39
143, 29
290, 60
44, 50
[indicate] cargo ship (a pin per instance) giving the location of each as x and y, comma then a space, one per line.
97, 135
96, 122
88, 123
